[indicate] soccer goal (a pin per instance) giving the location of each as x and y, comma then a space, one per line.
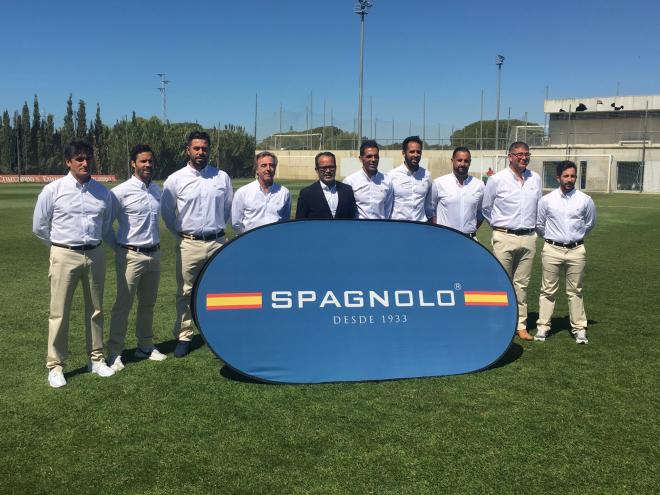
311, 141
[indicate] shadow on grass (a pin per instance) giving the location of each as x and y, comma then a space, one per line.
512, 353
78, 371
168, 347
128, 355
561, 324
231, 374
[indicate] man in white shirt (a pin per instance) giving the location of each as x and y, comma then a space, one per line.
372, 190
412, 185
196, 206
72, 216
137, 258
510, 201
263, 201
565, 217
457, 196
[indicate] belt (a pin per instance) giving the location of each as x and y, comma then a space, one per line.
84, 247
139, 249
514, 231
569, 245
207, 237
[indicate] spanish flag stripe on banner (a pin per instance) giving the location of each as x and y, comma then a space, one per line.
244, 300
474, 298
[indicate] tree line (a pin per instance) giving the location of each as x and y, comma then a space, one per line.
31, 143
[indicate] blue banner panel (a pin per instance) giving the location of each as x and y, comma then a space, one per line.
348, 300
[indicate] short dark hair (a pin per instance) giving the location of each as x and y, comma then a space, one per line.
76, 148
140, 148
324, 153
518, 144
561, 166
261, 155
198, 135
460, 149
411, 139
369, 143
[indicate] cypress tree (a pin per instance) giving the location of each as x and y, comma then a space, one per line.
68, 131
98, 142
25, 139
81, 120
35, 148
16, 164
5, 142
53, 145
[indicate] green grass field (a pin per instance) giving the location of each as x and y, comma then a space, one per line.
552, 417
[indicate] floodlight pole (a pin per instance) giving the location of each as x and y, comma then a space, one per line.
499, 60
361, 9
481, 123
163, 82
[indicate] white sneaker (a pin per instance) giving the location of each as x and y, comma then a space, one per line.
116, 363
580, 337
541, 335
100, 368
56, 378
153, 354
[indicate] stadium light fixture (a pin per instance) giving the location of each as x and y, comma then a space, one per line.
161, 88
499, 60
361, 9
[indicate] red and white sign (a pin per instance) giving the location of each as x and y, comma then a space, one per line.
8, 179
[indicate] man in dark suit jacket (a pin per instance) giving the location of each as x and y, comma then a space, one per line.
327, 198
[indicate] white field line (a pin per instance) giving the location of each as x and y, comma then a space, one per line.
635, 207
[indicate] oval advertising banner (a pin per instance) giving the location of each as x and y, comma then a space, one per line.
316, 301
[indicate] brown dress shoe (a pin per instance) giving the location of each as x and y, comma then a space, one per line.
524, 335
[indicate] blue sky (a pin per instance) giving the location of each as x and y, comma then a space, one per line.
217, 55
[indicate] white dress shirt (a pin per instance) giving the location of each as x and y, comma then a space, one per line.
252, 207
137, 209
374, 196
330, 194
458, 205
74, 214
413, 194
509, 203
567, 217
195, 201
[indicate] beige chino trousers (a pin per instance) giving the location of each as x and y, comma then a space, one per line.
555, 259
138, 274
66, 269
190, 258
516, 253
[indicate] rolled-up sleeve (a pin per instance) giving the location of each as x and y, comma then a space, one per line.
541, 214
489, 196
589, 216
43, 214
237, 213
168, 206
429, 210
229, 197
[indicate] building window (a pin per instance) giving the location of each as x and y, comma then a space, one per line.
550, 175
583, 175
629, 176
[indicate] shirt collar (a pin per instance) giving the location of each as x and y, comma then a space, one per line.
568, 194
466, 181
327, 188
137, 182
195, 171
407, 170
77, 184
525, 175
272, 189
